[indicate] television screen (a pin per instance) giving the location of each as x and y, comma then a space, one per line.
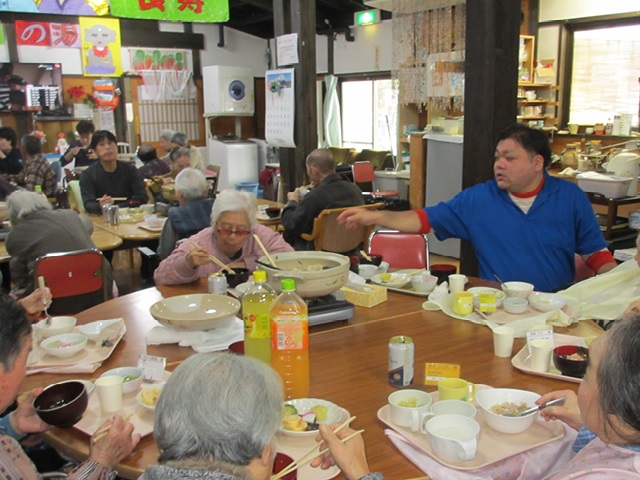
30, 86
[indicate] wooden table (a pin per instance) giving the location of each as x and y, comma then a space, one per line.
348, 365
130, 232
102, 239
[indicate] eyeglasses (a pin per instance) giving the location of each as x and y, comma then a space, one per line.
226, 232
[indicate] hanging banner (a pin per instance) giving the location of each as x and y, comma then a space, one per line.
154, 59
173, 10
57, 7
32, 33
280, 108
100, 47
65, 35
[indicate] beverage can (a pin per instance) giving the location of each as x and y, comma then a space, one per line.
114, 214
105, 211
217, 284
401, 351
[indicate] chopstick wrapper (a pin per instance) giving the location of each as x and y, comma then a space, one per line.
530, 465
78, 368
210, 341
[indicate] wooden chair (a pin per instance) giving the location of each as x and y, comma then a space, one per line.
77, 279
74, 196
330, 236
400, 250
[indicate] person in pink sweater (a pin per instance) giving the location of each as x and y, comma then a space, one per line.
229, 239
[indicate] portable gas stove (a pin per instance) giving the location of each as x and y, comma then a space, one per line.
328, 309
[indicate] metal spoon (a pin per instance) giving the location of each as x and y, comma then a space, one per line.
498, 278
47, 320
550, 403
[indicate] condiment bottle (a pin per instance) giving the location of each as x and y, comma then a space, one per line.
256, 303
290, 341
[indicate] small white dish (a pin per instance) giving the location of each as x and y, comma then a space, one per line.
58, 326
546, 302
304, 405
515, 305
143, 393
132, 378
423, 282
64, 345
395, 280
94, 329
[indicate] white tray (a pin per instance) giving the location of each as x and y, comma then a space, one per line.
408, 288
493, 446
296, 447
522, 361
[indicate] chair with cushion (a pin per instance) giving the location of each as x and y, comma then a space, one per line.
364, 177
380, 159
329, 236
77, 279
343, 156
75, 196
400, 250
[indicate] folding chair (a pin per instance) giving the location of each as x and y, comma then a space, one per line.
77, 279
400, 250
330, 236
364, 177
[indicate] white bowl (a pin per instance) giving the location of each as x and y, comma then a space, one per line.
545, 302
58, 326
88, 385
134, 374
141, 393
396, 280
304, 405
94, 329
515, 305
195, 312
496, 396
517, 289
500, 295
64, 345
424, 282
153, 221
367, 270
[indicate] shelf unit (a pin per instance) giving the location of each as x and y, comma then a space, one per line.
544, 107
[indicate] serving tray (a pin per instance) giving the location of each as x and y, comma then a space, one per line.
493, 446
522, 360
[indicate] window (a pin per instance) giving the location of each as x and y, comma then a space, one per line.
369, 114
605, 74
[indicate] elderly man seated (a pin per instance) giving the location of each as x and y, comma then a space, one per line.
180, 140
230, 238
193, 213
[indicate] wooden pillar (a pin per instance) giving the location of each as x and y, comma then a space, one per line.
299, 16
491, 84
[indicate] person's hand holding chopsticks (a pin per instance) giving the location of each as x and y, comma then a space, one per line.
116, 445
198, 256
349, 456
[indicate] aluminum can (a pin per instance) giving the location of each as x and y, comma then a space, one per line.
114, 214
217, 284
401, 352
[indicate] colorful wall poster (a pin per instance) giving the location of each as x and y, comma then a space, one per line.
57, 7
32, 33
157, 59
280, 108
172, 10
100, 46
65, 35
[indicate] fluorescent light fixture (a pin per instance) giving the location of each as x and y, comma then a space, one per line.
366, 17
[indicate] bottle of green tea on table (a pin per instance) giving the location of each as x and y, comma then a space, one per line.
256, 303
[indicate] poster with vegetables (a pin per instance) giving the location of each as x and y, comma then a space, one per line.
153, 59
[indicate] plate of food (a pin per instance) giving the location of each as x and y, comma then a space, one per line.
148, 396
301, 417
391, 280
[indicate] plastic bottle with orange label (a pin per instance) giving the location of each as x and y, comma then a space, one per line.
290, 341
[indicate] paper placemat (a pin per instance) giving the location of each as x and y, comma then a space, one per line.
493, 446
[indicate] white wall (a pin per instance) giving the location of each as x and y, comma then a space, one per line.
371, 52
566, 9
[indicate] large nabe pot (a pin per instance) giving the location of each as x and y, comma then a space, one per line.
309, 283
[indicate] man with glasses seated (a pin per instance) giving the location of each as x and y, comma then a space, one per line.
229, 239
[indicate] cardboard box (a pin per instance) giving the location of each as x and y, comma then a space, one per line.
368, 298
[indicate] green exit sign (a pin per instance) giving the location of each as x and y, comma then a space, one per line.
366, 17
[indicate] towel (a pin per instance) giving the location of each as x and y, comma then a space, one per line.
530, 465
210, 341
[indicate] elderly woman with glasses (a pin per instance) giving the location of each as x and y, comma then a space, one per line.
230, 239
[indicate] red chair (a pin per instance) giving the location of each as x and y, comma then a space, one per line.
400, 250
77, 279
364, 176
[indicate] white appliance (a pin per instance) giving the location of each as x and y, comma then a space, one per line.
238, 160
626, 164
444, 181
228, 91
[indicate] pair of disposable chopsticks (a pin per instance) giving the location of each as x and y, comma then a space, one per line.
216, 261
414, 272
115, 199
312, 455
364, 254
100, 434
261, 245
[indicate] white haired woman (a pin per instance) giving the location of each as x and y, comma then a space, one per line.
223, 428
193, 213
230, 239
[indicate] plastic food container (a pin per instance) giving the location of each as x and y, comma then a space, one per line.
611, 186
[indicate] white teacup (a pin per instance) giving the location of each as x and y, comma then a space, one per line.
453, 438
449, 407
457, 282
405, 416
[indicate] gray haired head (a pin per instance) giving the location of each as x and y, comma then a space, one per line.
178, 152
192, 184
180, 139
218, 408
166, 135
234, 201
22, 203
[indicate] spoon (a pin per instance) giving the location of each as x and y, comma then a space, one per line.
550, 403
498, 278
47, 320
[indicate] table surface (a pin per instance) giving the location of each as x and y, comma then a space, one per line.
126, 231
348, 365
102, 239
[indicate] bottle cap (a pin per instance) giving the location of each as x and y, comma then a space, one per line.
259, 276
288, 284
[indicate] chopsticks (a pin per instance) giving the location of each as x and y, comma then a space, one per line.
303, 460
115, 199
414, 272
100, 434
364, 254
266, 253
216, 261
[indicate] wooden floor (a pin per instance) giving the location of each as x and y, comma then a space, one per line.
128, 278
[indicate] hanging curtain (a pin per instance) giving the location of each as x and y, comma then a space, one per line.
162, 85
331, 113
